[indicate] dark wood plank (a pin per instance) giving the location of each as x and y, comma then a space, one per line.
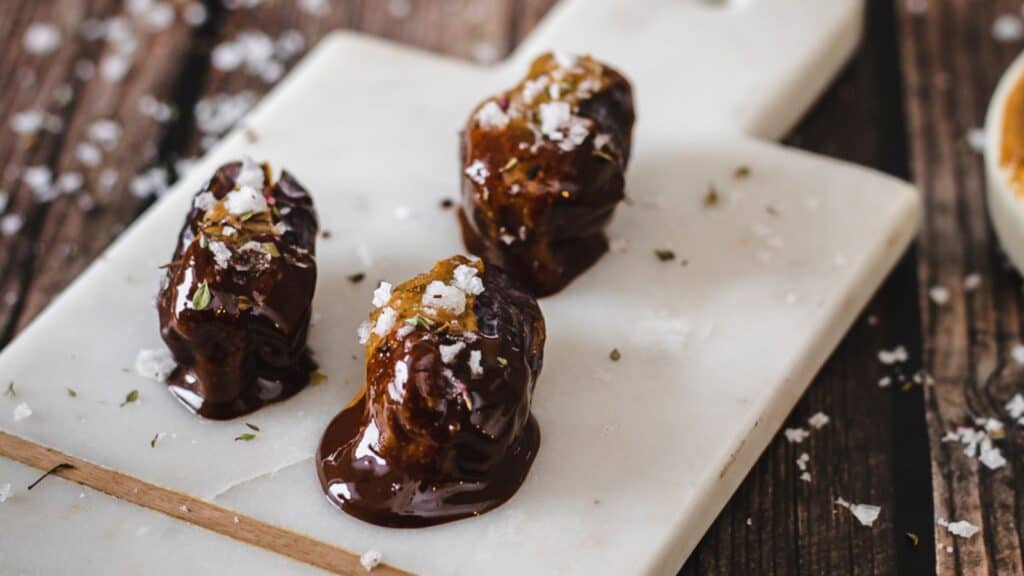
874, 450
60, 237
951, 62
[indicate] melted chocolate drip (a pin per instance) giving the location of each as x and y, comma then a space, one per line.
446, 443
247, 347
541, 209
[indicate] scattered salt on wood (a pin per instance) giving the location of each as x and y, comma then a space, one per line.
866, 514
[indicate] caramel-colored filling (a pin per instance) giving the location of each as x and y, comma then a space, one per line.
1011, 150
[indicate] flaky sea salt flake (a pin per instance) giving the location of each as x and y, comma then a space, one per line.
962, 528
156, 364
41, 38
818, 420
796, 435
370, 559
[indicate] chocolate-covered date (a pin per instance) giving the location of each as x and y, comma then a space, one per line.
543, 170
235, 303
442, 428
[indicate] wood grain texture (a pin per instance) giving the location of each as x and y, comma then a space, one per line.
875, 448
184, 507
951, 63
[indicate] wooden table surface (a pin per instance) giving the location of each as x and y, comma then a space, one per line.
904, 105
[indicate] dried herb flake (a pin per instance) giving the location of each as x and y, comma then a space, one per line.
245, 437
71, 392
615, 355
665, 255
54, 470
130, 397
317, 377
711, 198
357, 277
252, 426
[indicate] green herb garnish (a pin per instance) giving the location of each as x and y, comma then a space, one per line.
317, 377
130, 397
356, 278
245, 437
914, 539
202, 296
741, 172
71, 392
152, 443
420, 322
252, 426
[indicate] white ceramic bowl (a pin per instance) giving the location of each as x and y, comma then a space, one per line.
1005, 209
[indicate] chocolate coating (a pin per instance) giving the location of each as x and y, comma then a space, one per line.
236, 300
543, 170
442, 428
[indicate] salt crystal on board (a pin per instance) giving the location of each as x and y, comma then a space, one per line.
22, 411
1015, 407
27, 122
11, 224
371, 559
962, 528
818, 420
41, 38
939, 295
866, 514
976, 139
1007, 28
972, 282
1017, 353
796, 435
897, 354
154, 364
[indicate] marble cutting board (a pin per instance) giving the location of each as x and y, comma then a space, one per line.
638, 456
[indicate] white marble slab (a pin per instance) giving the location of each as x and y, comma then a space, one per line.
638, 456
61, 527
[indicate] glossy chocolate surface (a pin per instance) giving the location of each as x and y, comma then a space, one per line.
236, 301
543, 170
442, 428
